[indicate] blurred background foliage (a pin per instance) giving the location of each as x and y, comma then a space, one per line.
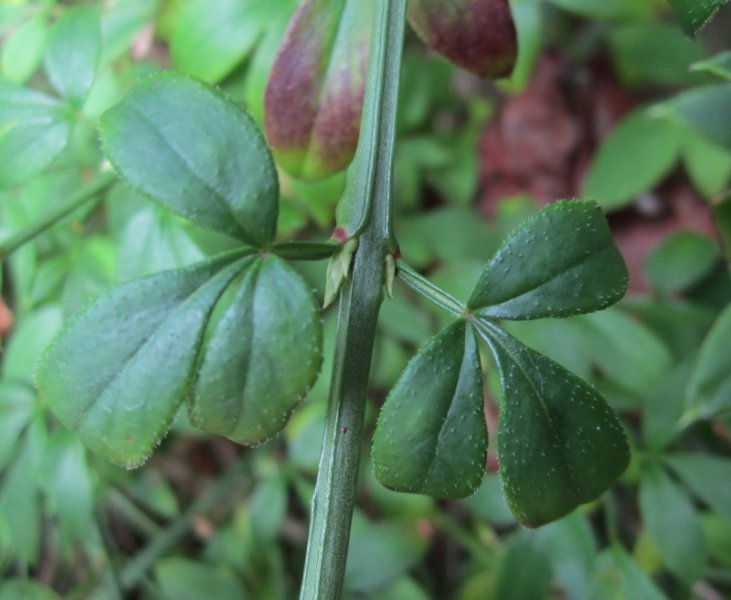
609, 100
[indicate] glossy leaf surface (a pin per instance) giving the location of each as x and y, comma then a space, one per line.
198, 153
72, 52
262, 355
560, 445
694, 14
561, 262
118, 373
431, 436
477, 35
314, 97
709, 389
34, 128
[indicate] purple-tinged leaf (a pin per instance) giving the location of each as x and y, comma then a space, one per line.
477, 35
314, 97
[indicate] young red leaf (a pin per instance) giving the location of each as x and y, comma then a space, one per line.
477, 35
314, 97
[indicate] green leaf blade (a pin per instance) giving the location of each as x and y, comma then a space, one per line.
560, 445
211, 37
709, 388
34, 128
196, 152
118, 373
72, 52
673, 524
707, 476
261, 357
431, 436
706, 110
561, 262
638, 153
694, 14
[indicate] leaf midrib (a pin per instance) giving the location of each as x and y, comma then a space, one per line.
555, 438
220, 197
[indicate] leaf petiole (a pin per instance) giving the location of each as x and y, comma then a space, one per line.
428, 290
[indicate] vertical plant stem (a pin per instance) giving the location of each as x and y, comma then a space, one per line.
360, 301
90, 192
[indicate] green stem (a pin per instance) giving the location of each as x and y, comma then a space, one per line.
305, 250
90, 192
360, 301
428, 290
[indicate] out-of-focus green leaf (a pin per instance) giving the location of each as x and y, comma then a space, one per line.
561, 262
601, 9
314, 98
477, 35
69, 488
268, 509
445, 234
717, 534
16, 406
718, 65
29, 339
707, 476
403, 588
20, 501
34, 128
379, 553
488, 503
560, 445
186, 579
121, 23
664, 407
635, 157
529, 25
680, 260
118, 373
709, 390
708, 165
570, 546
262, 354
431, 436
152, 241
618, 577
72, 53
525, 570
653, 51
27, 589
211, 37
672, 523
706, 110
22, 51
626, 351
198, 153
722, 218
694, 14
